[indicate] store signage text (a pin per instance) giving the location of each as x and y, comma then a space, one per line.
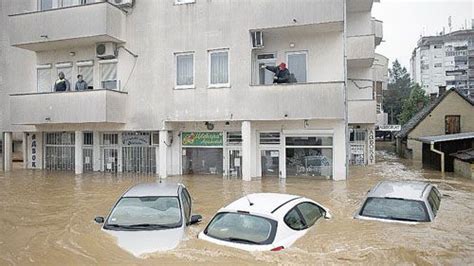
202, 138
33, 150
390, 127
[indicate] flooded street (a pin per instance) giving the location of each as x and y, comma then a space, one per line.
47, 218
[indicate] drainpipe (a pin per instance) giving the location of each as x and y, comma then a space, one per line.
440, 153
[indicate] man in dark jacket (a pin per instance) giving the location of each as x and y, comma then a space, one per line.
282, 74
62, 84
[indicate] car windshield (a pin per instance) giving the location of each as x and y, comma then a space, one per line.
395, 209
242, 228
145, 213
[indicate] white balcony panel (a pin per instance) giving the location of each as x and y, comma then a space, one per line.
272, 102
362, 112
94, 106
360, 51
67, 27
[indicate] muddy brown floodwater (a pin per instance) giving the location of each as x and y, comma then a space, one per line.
47, 218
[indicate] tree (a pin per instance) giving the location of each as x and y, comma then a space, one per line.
413, 104
399, 88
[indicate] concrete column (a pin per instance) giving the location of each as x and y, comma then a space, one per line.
8, 151
24, 147
164, 142
119, 153
79, 139
340, 146
96, 151
249, 151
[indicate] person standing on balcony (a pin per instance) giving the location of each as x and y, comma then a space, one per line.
282, 74
62, 84
81, 84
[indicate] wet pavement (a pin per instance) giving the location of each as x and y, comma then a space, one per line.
47, 218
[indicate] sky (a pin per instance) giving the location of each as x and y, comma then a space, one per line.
404, 21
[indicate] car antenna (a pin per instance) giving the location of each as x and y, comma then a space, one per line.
248, 199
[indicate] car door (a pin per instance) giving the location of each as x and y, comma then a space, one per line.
187, 204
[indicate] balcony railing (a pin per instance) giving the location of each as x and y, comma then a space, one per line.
91, 106
67, 27
378, 31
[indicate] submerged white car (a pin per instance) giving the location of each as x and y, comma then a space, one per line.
401, 201
263, 222
150, 217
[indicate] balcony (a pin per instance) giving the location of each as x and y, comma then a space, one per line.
93, 106
318, 100
360, 51
79, 26
362, 112
377, 26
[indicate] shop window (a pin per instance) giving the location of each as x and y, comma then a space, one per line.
136, 138
309, 156
358, 135
203, 161
88, 138
234, 138
270, 138
155, 138
109, 139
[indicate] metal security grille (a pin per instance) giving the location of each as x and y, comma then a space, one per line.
270, 138
358, 139
88, 152
234, 138
138, 153
109, 152
59, 151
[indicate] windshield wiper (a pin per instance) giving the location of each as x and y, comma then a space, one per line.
150, 225
236, 239
401, 219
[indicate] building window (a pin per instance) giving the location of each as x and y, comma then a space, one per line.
86, 69
219, 68
297, 65
185, 70
309, 156
45, 4
88, 138
182, 2
66, 68
438, 65
108, 75
234, 138
44, 78
452, 124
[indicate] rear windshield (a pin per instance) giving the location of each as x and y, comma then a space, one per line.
242, 228
395, 209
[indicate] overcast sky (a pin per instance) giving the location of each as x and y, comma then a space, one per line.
405, 20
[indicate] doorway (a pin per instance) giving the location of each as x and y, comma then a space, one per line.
270, 163
235, 163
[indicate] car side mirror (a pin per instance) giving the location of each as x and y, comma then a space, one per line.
195, 219
327, 216
99, 220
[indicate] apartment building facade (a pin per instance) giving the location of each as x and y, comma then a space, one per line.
177, 86
445, 60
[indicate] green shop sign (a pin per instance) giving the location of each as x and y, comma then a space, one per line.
202, 139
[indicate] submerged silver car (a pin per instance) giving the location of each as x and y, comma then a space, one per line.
401, 201
150, 217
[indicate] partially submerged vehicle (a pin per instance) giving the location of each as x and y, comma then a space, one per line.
401, 201
150, 217
263, 222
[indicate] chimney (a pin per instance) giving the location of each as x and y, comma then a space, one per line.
441, 90
433, 97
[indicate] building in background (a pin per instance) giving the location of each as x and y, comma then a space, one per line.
445, 60
380, 69
177, 86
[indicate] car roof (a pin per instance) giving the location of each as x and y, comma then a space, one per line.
262, 203
412, 190
153, 190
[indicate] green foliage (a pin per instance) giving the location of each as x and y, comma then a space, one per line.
399, 90
413, 104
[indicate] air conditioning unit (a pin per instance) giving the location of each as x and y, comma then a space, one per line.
257, 39
106, 50
122, 3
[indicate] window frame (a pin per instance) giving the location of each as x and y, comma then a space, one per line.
306, 53
183, 87
117, 80
218, 85
300, 214
44, 67
84, 64
446, 124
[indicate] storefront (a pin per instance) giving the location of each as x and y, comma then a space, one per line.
202, 153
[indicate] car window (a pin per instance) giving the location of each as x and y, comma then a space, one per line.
294, 220
242, 228
434, 201
186, 205
310, 212
395, 209
146, 210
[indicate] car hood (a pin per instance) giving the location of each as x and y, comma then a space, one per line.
140, 243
